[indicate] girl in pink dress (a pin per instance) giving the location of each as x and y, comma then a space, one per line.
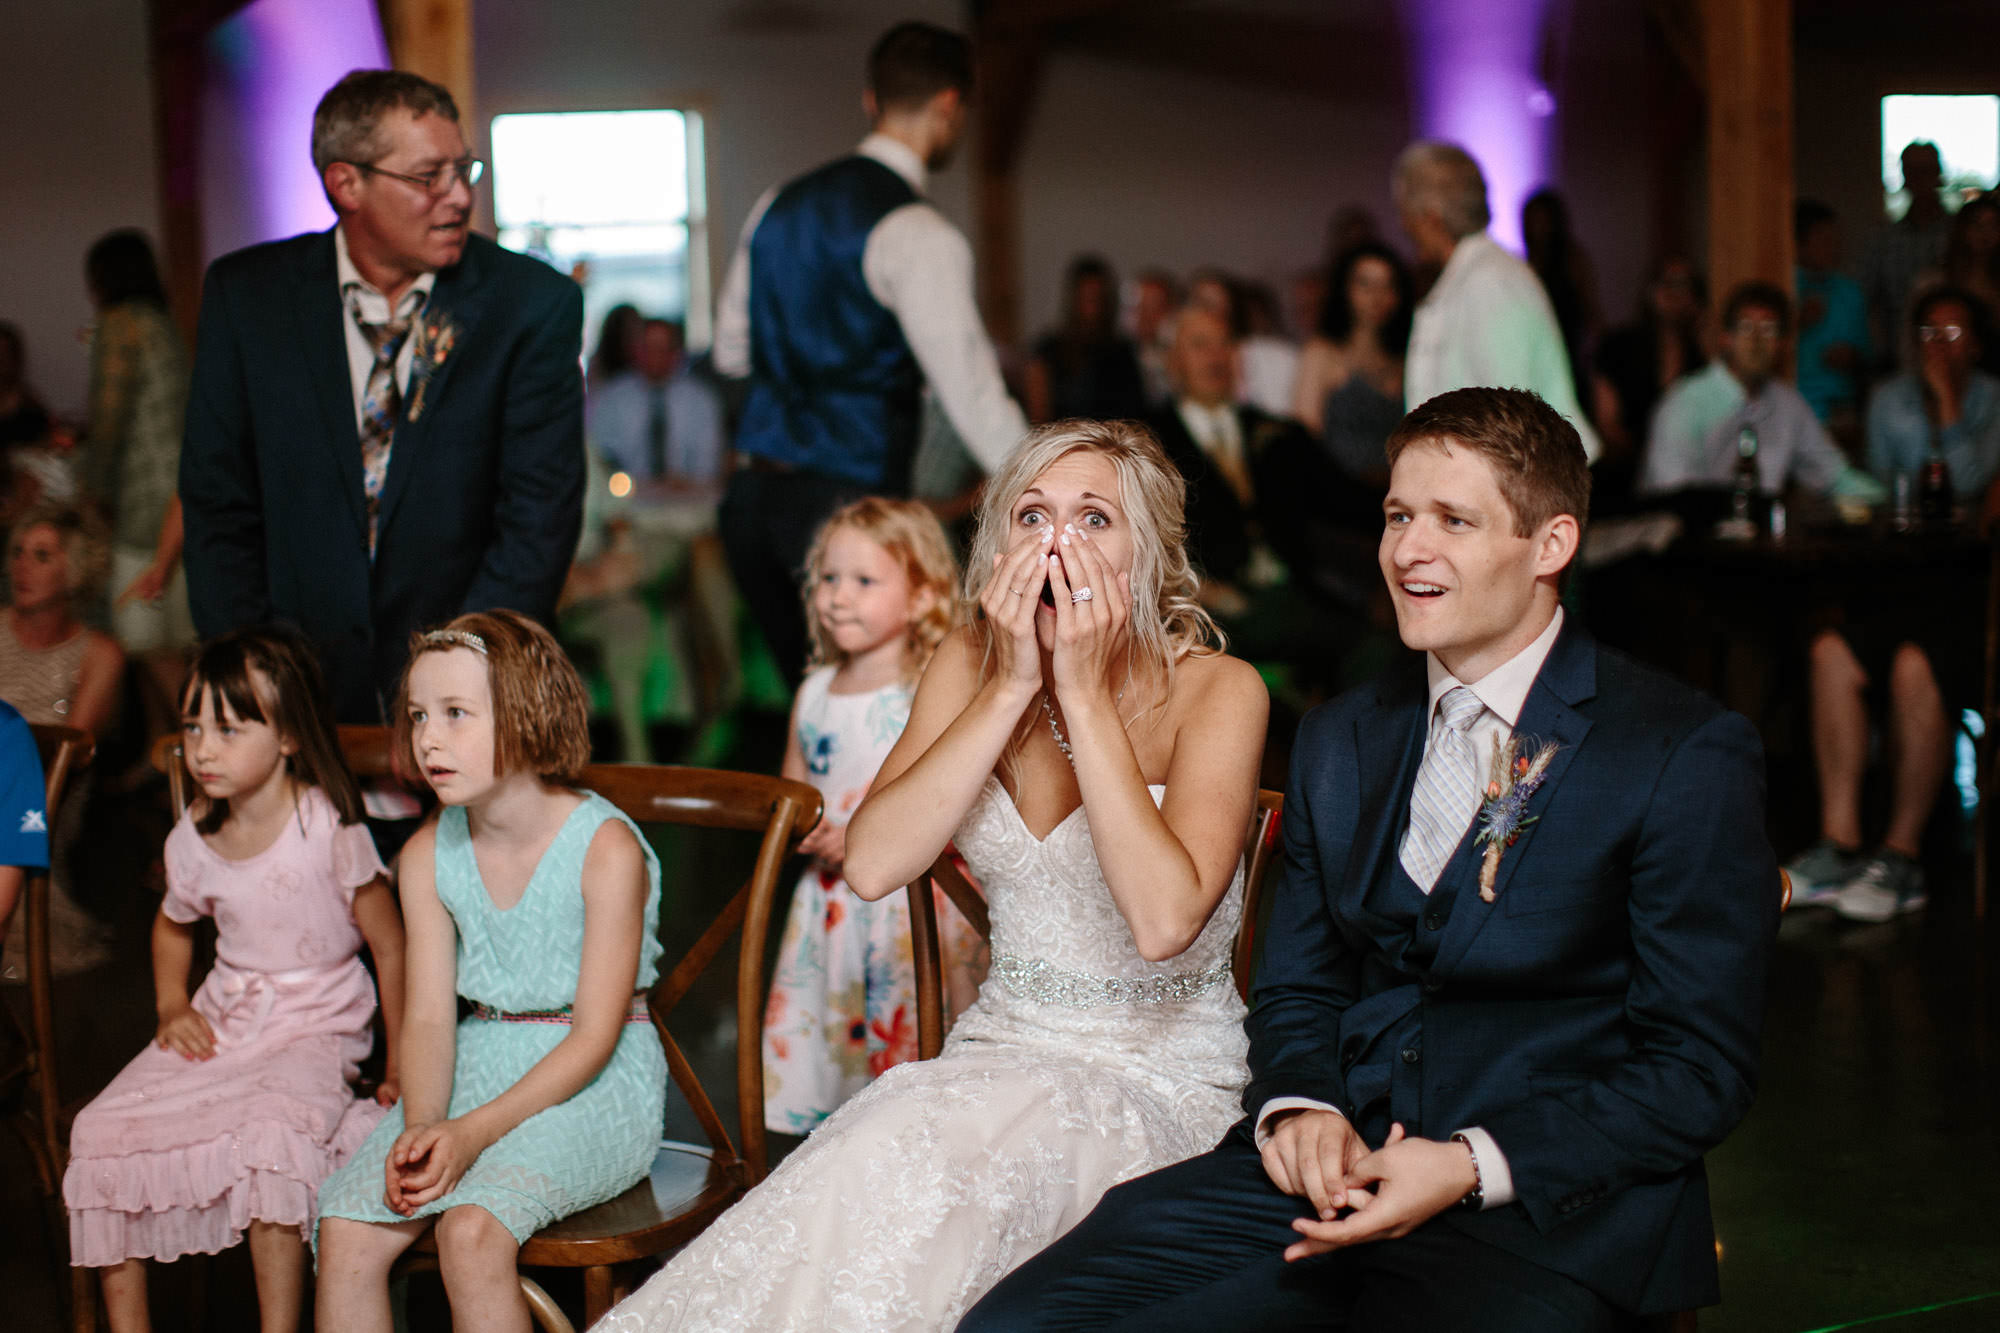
230, 1120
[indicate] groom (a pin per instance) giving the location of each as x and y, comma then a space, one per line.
1482, 1077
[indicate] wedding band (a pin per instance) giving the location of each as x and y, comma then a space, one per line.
1082, 594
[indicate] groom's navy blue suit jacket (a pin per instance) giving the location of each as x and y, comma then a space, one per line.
1600, 1018
484, 494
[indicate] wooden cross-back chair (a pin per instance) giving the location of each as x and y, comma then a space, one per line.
1259, 851
39, 1122
690, 1184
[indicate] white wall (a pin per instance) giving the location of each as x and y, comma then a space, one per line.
77, 156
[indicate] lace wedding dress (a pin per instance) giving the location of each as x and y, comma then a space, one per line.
1080, 1065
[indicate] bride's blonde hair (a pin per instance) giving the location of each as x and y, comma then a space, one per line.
1168, 623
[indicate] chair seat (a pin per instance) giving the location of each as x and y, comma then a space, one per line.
687, 1187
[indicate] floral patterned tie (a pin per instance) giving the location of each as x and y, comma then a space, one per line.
381, 406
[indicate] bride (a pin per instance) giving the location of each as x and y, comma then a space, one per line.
1095, 760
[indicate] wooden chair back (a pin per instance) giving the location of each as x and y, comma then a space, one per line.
1258, 853
64, 752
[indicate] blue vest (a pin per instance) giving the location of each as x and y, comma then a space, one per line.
834, 388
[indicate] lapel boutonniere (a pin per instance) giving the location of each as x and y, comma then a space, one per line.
1503, 814
437, 334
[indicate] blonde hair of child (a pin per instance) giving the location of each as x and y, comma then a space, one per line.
914, 539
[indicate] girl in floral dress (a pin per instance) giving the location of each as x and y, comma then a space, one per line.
843, 1002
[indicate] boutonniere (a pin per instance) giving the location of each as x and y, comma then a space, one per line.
1503, 814
437, 334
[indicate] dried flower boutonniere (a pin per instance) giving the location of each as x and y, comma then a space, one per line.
1503, 815
436, 336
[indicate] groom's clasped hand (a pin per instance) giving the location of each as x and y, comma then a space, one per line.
1361, 1195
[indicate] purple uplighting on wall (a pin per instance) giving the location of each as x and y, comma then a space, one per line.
267, 68
1475, 83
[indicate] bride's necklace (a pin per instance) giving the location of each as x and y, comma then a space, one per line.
1055, 730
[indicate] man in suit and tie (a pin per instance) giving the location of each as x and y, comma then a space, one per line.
1482, 1074
385, 424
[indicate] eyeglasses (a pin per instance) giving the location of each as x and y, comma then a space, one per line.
1756, 328
1940, 333
437, 182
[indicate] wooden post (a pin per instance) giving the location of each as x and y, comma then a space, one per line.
434, 38
1009, 62
1747, 59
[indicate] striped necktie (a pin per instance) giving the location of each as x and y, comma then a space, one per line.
381, 408
1447, 788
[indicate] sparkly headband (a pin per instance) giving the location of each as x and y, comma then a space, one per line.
455, 638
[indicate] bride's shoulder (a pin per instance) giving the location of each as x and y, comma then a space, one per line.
1217, 689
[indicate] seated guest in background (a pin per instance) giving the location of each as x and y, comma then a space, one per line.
1156, 295
1482, 1081
132, 452
850, 292
1270, 360
1903, 252
1972, 262
1896, 658
385, 427
617, 349
657, 423
1694, 439
59, 672
1086, 368
1945, 405
1487, 320
23, 419
1833, 321
649, 589
1636, 362
1567, 276
1350, 388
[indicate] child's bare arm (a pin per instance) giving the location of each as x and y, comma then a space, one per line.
381, 925
614, 915
181, 1028
429, 1032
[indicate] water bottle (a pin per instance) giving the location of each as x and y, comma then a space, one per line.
1743, 479
1934, 492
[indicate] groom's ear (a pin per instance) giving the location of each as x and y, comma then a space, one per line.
1556, 545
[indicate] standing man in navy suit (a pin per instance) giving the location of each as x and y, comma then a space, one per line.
385, 425
1482, 1076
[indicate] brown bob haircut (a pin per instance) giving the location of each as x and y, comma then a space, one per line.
541, 717
292, 702
1536, 455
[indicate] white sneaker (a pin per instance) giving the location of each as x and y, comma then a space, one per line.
1888, 885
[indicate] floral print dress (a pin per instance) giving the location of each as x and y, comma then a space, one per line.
843, 1004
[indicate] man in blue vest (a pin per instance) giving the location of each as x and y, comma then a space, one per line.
846, 296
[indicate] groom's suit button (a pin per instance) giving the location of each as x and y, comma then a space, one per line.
1434, 920
1411, 1055
1432, 985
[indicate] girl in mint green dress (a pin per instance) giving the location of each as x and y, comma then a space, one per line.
549, 1098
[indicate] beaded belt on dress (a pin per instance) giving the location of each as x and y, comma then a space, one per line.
1039, 979
567, 1014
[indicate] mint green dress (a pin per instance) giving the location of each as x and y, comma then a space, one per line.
577, 1153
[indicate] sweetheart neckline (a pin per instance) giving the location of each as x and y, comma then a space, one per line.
1056, 827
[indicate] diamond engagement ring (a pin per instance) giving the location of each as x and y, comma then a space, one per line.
1082, 594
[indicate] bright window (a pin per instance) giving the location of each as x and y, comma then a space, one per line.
1966, 130
616, 198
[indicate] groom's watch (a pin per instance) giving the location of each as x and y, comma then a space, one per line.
1475, 1198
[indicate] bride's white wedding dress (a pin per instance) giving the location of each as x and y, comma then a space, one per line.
1081, 1065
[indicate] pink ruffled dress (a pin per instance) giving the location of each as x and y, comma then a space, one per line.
179, 1156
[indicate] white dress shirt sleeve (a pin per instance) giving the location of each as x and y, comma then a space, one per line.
920, 267
1277, 1104
731, 350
